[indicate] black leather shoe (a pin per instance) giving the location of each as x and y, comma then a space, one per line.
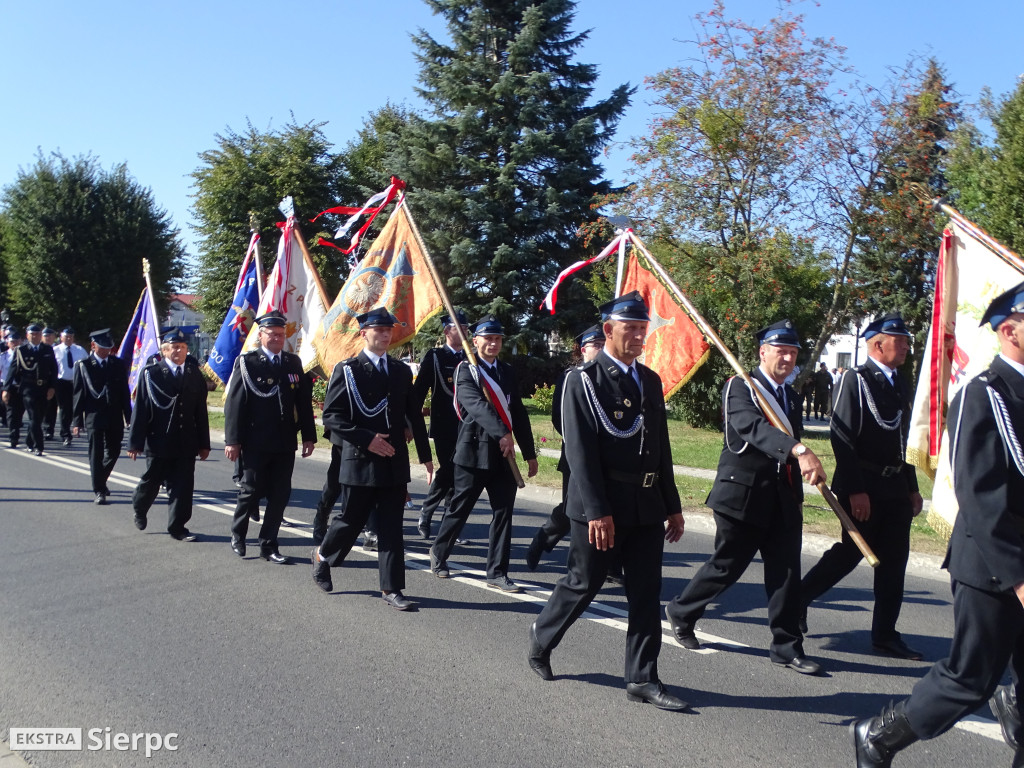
238, 545
424, 528
801, 664
100, 499
398, 601
534, 552
67, 442
321, 572
184, 535
1005, 709
438, 568
615, 579
503, 584
370, 542
273, 556
654, 693
684, 635
538, 658
896, 647
140, 522
255, 515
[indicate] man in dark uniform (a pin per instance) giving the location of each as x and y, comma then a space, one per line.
482, 449
171, 424
870, 424
50, 421
757, 501
985, 557
591, 342
67, 354
33, 375
269, 400
102, 405
370, 401
437, 376
822, 391
621, 493
12, 405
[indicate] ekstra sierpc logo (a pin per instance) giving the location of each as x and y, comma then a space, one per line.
96, 739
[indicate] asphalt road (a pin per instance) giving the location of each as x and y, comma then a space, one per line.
102, 626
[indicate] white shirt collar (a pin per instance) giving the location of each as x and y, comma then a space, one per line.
269, 354
627, 369
769, 377
884, 369
374, 358
1015, 365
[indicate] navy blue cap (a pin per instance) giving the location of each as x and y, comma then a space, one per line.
891, 324
629, 306
13, 334
273, 319
101, 338
376, 317
69, 330
1009, 303
34, 328
780, 334
488, 325
173, 336
48, 331
593, 333
446, 320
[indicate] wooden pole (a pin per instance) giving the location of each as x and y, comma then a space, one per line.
152, 298
254, 227
466, 346
769, 412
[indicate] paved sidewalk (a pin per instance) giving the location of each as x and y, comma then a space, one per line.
10, 759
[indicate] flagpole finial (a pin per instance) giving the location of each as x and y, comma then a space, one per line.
287, 206
145, 267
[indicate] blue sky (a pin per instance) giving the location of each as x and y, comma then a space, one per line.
150, 84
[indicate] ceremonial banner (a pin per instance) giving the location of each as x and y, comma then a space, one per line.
969, 276
237, 324
140, 340
394, 275
293, 289
675, 347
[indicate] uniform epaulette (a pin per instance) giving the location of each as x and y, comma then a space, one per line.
350, 361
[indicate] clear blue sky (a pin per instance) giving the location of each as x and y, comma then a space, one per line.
150, 84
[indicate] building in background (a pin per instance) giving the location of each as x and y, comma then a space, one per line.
181, 313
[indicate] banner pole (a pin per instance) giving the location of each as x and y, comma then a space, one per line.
152, 299
769, 412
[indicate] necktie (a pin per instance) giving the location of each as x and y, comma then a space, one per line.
893, 380
780, 395
636, 377
381, 368
177, 373
276, 361
70, 362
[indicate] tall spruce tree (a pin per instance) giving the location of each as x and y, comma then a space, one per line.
503, 170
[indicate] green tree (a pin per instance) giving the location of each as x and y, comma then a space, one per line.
248, 174
504, 170
988, 178
73, 237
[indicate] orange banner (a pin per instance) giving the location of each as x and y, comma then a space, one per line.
675, 347
393, 274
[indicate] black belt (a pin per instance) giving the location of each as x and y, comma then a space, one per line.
884, 471
645, 479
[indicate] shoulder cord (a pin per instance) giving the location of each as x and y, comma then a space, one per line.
1006, 430
88, 384
21, 362
725, 418
602, 416
354, 396
249, 385
170, 401
889, 425
439, 381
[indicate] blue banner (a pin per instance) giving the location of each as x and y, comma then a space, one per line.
236, 326
140, 340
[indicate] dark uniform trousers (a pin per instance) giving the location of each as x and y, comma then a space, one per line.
443, 483
35, 403
359, 503
958, 685
64, 400
887, 532
15, 416
178, 472
50, 422
501, 487
553, 529
640, 549
265, 474
328, 496
104, 450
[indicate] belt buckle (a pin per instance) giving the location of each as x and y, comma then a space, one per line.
649, 478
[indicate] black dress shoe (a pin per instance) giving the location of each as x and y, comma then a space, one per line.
615, 579
538, 658
424, 528
398, 601
100, 499
654, 693
184, 535
39, 452
321, 572
255, 515
534, 552
801, 664
67, 442
370, 542
273, 556
438, 568
140, 522
896, 647
503, 584
238, 544
1005, 709
683, 634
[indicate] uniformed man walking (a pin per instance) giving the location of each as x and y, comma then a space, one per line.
33, 376
482, 449
369, 402
67, 354
11, 342
757, 500
171, 425
985, 557
50, 420
870, 424
102, 404
621, 495
437, 376
269, 401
